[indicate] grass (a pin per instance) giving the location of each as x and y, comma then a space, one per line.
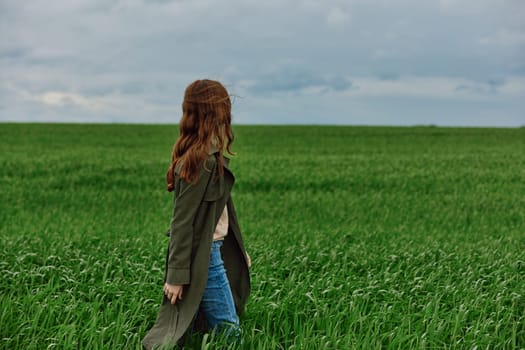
361, 237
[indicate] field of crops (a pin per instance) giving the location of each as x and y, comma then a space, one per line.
361, 237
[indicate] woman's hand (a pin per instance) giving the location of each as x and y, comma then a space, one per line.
173, 292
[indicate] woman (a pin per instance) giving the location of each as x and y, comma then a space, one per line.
207, 282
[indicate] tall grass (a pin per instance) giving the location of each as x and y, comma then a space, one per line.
361, 237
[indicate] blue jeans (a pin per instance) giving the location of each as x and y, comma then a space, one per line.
217, 302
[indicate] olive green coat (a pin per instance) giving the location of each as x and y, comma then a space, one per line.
197, 209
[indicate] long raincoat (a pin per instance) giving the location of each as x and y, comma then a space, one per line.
197, 209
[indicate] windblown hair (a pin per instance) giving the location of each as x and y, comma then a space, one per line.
205, 124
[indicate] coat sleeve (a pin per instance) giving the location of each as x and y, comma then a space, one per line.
187, 203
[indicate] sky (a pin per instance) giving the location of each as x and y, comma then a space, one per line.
353, 62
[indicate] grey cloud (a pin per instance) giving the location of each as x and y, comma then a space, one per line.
13, 53
339, 83
159, 1
495, 83
388, 76
490, 86
149, 50
295, 79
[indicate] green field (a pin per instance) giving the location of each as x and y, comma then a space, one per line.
361, 237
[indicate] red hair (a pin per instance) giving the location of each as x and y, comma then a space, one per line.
205, 123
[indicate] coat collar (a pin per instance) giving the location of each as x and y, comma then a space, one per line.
211, 151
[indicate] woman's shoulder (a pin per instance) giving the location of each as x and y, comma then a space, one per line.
207, 164
210, 164
213, 162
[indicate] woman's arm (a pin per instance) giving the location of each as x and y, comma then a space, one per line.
181, 228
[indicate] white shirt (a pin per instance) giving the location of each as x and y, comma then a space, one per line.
222, 226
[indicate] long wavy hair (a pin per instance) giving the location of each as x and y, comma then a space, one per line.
205, 125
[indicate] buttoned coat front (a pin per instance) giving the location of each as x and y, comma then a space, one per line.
197, 209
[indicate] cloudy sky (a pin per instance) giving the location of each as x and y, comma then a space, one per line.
375, 62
